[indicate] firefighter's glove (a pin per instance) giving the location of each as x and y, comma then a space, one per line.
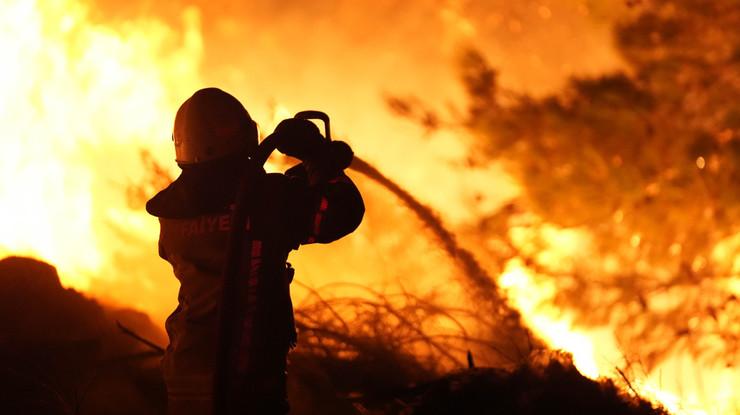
329, 161
335, 156
298, 138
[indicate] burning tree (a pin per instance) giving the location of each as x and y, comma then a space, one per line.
641, 165
644, 164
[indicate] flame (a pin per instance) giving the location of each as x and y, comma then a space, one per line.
79, 97
596, 352
559, 332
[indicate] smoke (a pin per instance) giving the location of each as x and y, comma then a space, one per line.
341, 56
108, 77
96, 81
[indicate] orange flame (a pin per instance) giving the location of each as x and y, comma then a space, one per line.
79, 98
681, 384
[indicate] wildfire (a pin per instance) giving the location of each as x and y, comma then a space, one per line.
596, 352
80, 98
77, 100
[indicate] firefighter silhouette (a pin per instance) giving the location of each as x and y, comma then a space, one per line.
233, 359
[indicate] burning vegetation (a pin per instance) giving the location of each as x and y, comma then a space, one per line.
619, 243
65, 355
638, 170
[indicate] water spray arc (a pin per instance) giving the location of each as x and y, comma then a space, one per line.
480, 283
474, 276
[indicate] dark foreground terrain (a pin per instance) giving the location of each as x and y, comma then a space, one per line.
62, 353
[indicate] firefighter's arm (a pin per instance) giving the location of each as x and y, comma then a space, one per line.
331, 208
329, 205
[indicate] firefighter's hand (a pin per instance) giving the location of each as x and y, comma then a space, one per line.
329, 162
299, 138
336, 156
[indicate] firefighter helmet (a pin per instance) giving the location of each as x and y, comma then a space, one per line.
210, 125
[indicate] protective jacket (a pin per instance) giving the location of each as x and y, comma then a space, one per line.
195, 222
